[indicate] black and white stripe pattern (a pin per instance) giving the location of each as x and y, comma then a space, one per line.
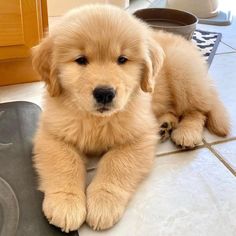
207, 43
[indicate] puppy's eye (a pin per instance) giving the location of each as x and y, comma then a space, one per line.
82, 60
122, 60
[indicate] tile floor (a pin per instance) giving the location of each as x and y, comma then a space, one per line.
189, 193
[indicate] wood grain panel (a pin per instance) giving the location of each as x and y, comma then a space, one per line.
26, 17
11, 25
15, 60
17, 71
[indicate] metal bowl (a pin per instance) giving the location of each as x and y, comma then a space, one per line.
171, 20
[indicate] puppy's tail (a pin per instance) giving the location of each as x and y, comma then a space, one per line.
218, 121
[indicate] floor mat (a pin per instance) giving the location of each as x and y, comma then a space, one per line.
20, 202
207, 42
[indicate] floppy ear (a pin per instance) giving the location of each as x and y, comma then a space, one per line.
43, 63
152, 65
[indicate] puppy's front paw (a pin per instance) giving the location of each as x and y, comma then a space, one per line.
104, 207
65, 210
186, 138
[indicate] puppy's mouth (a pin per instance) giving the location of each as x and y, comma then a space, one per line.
103, 109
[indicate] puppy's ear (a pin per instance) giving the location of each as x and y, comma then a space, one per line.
152, 65
43, 63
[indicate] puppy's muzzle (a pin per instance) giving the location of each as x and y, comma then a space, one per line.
104, 95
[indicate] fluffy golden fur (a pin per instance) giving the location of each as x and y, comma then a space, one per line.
164, 80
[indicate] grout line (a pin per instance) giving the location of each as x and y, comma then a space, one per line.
220, 53
221, 159
179, 151
220, 141
204, 145
228, 45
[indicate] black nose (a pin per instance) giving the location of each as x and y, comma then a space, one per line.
104, 94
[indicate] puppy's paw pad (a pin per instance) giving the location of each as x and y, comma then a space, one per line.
104, 209
64, 210
165, 130
185, 138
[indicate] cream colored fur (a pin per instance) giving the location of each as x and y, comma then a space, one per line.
72, 130
185, 93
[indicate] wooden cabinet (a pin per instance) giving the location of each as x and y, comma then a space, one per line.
22, 25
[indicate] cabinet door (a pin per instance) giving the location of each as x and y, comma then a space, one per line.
20, 27
22, 23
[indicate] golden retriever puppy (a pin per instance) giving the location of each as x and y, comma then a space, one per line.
94, 64
100, 65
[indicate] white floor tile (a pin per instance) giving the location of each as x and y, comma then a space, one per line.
228, 152
31, 92
189, 193
223, 48
223, 73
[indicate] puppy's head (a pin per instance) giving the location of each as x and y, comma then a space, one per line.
99, 57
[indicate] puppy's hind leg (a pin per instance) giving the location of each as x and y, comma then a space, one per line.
188, 133
218, 121
168, 122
